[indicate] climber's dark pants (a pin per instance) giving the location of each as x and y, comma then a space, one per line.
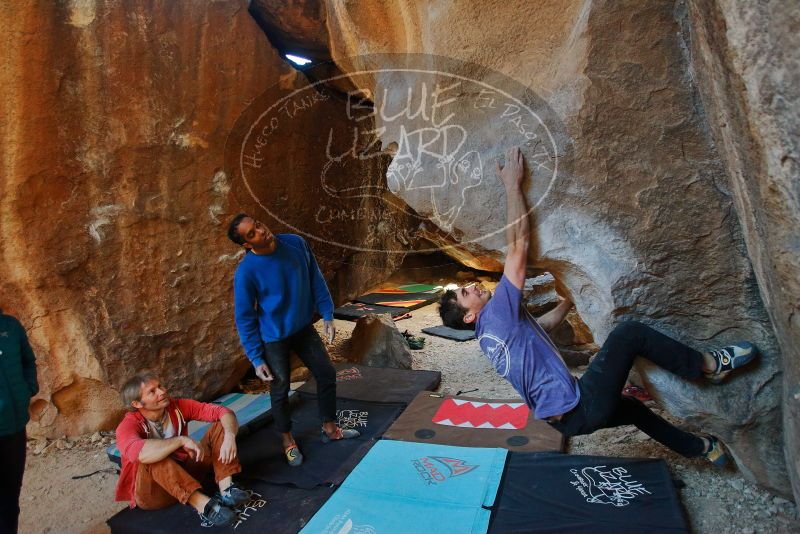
602, 404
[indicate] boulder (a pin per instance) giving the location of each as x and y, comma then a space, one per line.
578, 355
572, 331
299, 374
539, 294
636, 208
377, 342
544, 283
745, 60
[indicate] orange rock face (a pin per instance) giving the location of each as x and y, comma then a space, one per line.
645, 220
115, 196
114, 202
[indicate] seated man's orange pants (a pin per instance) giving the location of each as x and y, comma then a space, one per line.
163, 483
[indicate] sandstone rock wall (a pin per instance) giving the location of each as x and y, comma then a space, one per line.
113, 204
674, 201
115, 198
745, 59
642, 221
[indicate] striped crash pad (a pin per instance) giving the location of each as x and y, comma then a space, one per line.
402, 487
251, 411
409, 288
473, 422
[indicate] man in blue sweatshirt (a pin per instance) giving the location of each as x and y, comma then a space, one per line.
277, 288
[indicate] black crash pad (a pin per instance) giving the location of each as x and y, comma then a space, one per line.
271, 509
324, 463
377, 384
407, 301
449, 333
591, 494
355, 310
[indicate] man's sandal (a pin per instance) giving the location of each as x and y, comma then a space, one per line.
346, 433
293, 455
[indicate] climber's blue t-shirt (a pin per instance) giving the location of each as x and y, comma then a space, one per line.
523, 354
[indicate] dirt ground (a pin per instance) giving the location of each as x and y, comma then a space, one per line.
716, 501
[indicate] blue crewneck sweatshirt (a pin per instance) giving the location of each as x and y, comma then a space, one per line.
275, 295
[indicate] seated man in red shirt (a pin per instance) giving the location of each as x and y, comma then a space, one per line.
161, 464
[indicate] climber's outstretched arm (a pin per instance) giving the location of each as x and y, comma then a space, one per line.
518, 229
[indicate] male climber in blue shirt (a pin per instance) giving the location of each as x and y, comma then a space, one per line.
277, 288
521, 351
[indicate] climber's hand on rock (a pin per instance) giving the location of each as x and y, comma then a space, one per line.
512, 173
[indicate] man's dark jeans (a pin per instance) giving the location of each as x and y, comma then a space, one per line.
308, 346
12, 452
602, 404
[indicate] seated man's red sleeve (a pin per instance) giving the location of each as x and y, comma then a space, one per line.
130, 439
201, 411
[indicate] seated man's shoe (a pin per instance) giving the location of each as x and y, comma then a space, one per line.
218, 514
233, 496
346, 433
715, 453
293, 455
729, 358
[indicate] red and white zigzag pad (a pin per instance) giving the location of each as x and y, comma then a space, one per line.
475, 414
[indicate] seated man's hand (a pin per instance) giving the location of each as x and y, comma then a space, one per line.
193, 448
263, 372
227, 452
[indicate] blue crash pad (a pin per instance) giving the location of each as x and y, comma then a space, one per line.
415, 487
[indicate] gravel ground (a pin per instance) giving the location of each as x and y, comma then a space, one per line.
716, 501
